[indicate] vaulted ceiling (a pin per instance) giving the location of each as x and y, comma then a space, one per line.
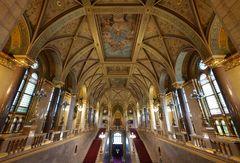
114, 46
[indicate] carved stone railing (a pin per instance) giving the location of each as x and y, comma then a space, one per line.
75, 132
181, 137
226, 147
13, 145
65, 134
200, 141
56, 135
38, 140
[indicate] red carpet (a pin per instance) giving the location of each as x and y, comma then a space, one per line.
94, 148
141, 149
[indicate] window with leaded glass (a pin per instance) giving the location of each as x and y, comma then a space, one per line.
18, 94
27, 94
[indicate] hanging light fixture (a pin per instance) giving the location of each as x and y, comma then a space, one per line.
195, 95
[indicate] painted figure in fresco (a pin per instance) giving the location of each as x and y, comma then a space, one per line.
118, 34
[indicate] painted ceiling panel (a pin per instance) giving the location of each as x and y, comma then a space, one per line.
118, 33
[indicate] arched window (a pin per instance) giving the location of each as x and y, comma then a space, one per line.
117, 138
214, 101
212, 93
27, 94
22, 101
209, 94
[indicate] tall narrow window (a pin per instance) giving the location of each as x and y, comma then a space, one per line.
27, 94
219, 128
209, 95
117, 138
214, 101
20, 89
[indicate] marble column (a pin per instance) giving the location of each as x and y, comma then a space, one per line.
51, 111
152, 117
195, 108
83, 116
229, 96
70, 114
57, 117
185, 113
11, 79
164, 115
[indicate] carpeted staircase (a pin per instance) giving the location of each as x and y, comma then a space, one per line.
141, 149
94, 148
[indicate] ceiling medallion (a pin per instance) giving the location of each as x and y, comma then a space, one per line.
59, 4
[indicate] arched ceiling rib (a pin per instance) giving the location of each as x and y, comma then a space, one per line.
83, 33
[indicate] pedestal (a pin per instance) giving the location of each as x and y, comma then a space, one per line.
211, 132
30, 132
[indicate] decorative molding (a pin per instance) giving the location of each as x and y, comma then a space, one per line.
232, 62
6, 61
216, 61
118, 9
178, 84
23, 60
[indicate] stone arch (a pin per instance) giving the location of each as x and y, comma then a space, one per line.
186, 29
50, 30
75, 59
185, 67
152, 92
165, 82
71, 83
51, 62
164, 15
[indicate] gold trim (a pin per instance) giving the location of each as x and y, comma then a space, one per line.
58, 84
214, 62
23, 60
6, 61
232, 62
178, 85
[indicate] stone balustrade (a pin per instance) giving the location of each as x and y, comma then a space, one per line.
38, 140
200, 141
226, 147
13, 145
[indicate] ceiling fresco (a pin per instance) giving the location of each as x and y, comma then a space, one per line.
118, 34
118, 49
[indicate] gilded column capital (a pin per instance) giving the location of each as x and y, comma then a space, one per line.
232, 62
23, 60
214, 62
58, 84
178, 85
